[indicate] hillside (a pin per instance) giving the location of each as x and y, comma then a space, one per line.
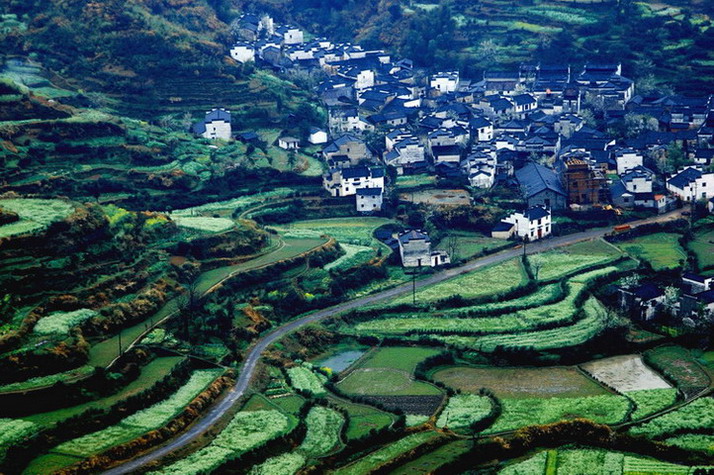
672, 43
119, 47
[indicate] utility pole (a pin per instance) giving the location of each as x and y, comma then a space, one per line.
414, 274
120, 348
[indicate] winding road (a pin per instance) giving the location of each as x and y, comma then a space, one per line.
255, 352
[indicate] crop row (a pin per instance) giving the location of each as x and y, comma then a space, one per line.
381, 456
463, 410
697, 415
49, 380
142, 421
303, 378
284, 464
246, 431
491, 280
236, 203
562, 337
59, 323
354, 255
607, 409
13, 431
34, 214
693, 442
323, 431
649, 401
206, 224
557, 313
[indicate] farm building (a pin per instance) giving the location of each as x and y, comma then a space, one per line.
369, 199
317, 136
414, 248
243, 52
216, 125
692, 184
534, 223
641, 301
346, 181
289, 143
541, 186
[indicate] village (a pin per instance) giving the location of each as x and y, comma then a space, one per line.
528, 130
292, 237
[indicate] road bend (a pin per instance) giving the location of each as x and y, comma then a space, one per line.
254, 353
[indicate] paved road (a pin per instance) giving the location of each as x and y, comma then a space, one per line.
255, 352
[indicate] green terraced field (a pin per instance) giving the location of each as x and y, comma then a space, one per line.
661, 250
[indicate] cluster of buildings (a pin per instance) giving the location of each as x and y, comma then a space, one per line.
523, 128
693, 298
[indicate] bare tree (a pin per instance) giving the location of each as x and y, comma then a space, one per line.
536, 263
453, 246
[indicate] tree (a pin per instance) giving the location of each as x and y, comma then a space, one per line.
453, 246
188, 304
487, 50
630, 281
536, 263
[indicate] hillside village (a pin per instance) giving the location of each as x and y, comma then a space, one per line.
230, 246
530, 130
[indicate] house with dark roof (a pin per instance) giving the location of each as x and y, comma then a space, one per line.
216, 125
317, 136
369, 200
541, 186
414, 248
641, 301
347, 145
532, 224
446, 153
691, 183
524, 103
346, 181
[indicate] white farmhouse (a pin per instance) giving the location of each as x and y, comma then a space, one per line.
369, 199
692, 184
290, 35
289, 143
346, 181
482, 129
216, 125
534, 223
627, 159
445, 82
243, 52
317, 136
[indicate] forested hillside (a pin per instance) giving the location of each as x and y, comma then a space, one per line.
657, 42
117, 45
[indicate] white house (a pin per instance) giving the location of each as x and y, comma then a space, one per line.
369, 199
627, 159
317, 136
346, 181
534, 223
414, 248
482, 129
524, 103
243, 52
445, 82
289, 143
290, 35
692, 184
216, 125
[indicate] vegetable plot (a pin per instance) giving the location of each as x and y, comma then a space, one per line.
323, 431
246, 431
